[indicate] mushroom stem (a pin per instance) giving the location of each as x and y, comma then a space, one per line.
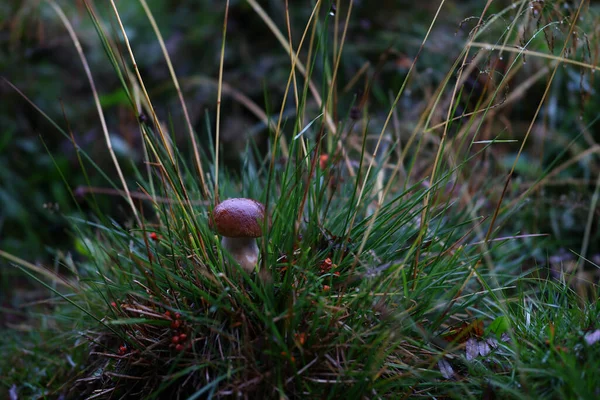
243, 250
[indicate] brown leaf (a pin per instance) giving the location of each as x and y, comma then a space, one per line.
465, 331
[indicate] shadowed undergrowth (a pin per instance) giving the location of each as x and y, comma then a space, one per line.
393, 263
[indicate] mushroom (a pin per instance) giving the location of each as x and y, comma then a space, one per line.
239, 221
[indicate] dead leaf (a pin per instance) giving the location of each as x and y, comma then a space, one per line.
465, 331
592, 337
484, 348
12, 393
446, 369
476, 348
472, 349
493, 342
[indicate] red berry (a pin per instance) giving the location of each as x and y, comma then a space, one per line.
168, 314
175, 324
112, 303
175, 339
179, 347
122, 350
177, 315
182, 337
323, 161
326, 265
301, 337
153, 236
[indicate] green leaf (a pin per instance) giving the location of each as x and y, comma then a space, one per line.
499, 326
116, 98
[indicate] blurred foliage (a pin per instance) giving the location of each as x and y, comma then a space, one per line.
53, 79
38, 57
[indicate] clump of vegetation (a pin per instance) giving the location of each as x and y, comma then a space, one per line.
403, 252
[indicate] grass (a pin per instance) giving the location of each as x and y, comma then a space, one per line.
394, 264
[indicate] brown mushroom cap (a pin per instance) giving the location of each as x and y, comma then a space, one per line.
239, 218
